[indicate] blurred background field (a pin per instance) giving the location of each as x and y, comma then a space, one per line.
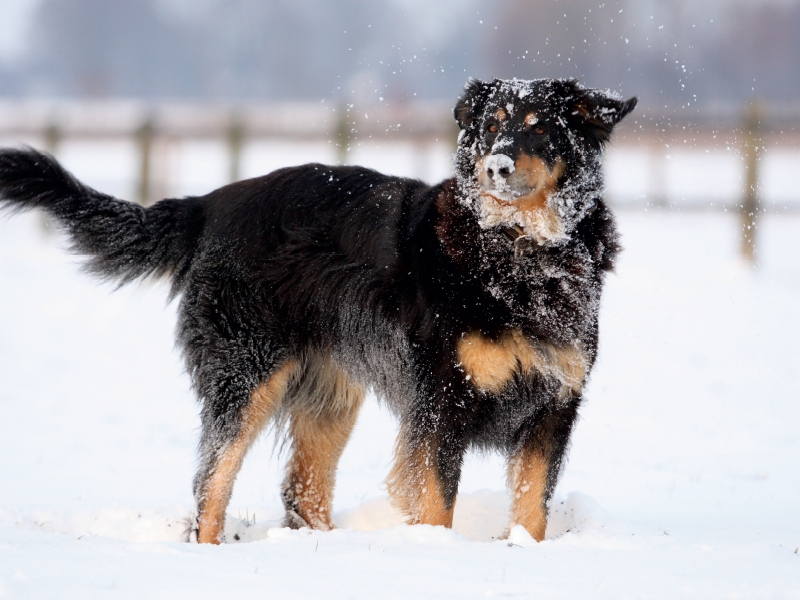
156, 98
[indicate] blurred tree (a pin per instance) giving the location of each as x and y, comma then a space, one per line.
101, 47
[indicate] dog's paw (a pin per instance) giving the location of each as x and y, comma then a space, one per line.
293, 520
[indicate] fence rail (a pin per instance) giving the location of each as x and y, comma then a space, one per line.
744, 131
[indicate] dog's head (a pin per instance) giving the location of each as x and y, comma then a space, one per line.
529, 152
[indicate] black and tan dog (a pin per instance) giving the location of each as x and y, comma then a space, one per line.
470, 307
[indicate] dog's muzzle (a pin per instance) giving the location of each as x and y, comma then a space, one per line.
499, 166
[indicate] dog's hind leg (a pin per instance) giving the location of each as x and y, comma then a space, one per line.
534, 468
230, 425
323, 409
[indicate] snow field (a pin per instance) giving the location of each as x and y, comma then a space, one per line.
682, 479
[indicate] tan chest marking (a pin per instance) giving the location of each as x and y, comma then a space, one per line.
491, 363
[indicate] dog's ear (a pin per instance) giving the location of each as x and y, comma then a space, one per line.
598, 112
471, 102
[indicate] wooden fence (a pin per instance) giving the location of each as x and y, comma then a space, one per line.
747, 129
52, 123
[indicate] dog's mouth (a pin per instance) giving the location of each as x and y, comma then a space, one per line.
497, 178
525, 182
516, 194
507, 196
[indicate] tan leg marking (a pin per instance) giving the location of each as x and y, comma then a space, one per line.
527, 480
491, 363
414, 486
264, 400
318, 440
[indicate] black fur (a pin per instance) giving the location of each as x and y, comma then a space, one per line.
382, 274
123, 240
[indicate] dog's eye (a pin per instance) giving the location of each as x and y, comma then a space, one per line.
491, 128
538, 130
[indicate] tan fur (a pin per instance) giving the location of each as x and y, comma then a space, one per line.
584, 111
531, 210
480, 169
540, 179
568, 363
324, 388
492, 363
414, 486
527, 480
264, 401
318, 440
531, 119
500, 115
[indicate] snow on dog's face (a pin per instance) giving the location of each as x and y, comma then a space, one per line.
529, 152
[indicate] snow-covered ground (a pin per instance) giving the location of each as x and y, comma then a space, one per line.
682, 480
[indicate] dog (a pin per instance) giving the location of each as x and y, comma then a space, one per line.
470, 307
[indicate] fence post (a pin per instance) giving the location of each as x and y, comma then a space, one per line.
52, 137
749, 208
235, 143
657, 184
144, 137
344, 135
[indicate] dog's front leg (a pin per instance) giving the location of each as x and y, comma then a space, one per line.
534, 468
424, 480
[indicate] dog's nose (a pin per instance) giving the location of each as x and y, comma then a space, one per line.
504, 172
500, 165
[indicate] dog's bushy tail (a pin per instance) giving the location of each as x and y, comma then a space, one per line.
124, 240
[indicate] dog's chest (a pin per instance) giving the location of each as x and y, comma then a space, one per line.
491, 363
